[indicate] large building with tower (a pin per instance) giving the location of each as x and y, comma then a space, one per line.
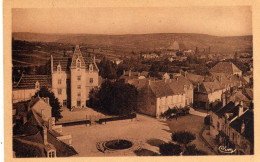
71, 79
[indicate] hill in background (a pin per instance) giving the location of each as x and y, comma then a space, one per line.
138, 42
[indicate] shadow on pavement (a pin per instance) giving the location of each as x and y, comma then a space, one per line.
155, 142
169, 131
145, 152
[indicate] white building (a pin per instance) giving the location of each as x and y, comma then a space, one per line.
71, 79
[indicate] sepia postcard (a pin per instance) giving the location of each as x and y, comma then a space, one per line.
115, 80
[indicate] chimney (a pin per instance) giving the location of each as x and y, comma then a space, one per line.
45, 140
185, 74
94, 58
243, 126
51, 64
64, 53
46, 100
198, 87
50, 123
236, 103
129, 72
24, 119
124, 72
224, 100
149, 82
240, 110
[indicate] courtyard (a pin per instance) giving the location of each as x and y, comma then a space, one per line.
145, 133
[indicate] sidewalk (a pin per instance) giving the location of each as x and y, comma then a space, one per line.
194, 112
210, 140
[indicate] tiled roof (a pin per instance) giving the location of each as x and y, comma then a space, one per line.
140, 83
209, 87
238, 96
216, 106
225, 67
144, 73
63, 61
28, 81
129, 75
226, 109
248, 119
70, 60
218, 81
161, 89
195, 79
177, 84
249, 93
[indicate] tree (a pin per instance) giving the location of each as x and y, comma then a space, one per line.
53, 101
107, 69
115, 98
183, 138
169, 149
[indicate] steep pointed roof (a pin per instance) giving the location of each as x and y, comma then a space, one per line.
77, 56
70, 61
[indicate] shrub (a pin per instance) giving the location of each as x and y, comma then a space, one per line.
192, 150
183, 137
207, 120
169, 149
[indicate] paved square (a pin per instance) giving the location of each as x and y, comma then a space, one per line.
145, 132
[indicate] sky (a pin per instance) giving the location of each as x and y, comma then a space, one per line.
219, 21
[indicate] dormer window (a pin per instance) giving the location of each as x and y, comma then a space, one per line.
91, 68
37, 86
59, 68
78, 63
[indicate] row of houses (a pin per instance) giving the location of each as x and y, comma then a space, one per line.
33, 121
156, 96
233, 126
183, 89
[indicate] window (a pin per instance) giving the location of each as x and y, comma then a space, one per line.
78, 63
51, 154
59, 91
78, 103
79, 94
64, 102
59, 81
37, 85
91, 68
91, 80
59, 68
79, 86
79, 78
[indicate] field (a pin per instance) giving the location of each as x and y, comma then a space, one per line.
35, 49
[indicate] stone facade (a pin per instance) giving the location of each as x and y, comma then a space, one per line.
71, 84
